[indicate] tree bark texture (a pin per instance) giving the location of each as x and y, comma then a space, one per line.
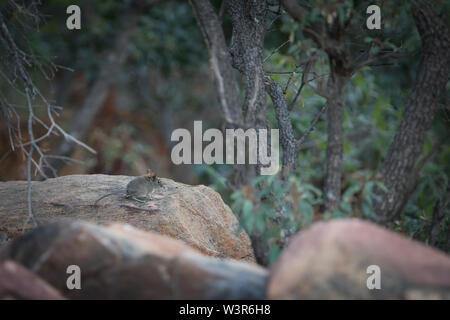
335, 142
220, 62
246, 48
287, 138
418, 114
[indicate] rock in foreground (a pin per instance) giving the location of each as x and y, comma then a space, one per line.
330, 261
16, 282
121, 262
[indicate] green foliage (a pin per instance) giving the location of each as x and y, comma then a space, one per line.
373, 99
358, 197
168, 36
417, 216
273, 207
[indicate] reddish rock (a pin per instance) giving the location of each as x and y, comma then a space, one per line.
330, 260
16, 282
121, 262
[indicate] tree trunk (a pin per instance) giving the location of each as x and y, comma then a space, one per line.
420, 106
220, 62
247, 41
335, 143
287, 139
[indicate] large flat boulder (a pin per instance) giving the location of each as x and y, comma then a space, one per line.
122, 262
196, 215
330, 260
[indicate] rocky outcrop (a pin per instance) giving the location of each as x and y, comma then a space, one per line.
338, 259
121, 262
194, 214
331, 259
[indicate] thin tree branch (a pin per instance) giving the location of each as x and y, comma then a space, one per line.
220, 61
312, 125
306, 70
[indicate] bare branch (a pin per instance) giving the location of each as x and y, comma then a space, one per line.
220, 61
276, 50
15, 64
312, 125
306, 70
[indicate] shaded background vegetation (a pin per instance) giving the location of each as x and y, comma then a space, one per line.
165, 83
